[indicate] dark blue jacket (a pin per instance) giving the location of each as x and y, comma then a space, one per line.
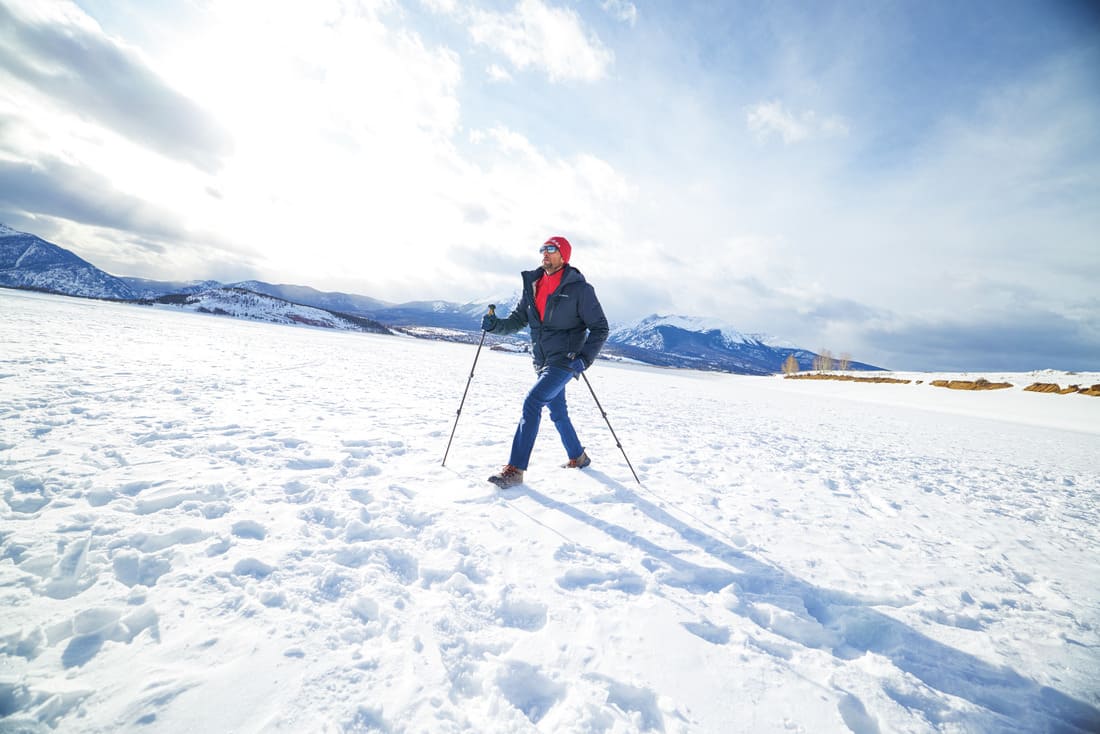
574, 325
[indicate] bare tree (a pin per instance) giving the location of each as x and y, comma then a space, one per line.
790, 367
845, 362
823, 361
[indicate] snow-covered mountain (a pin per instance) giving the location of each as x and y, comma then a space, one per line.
150, 289
414, 314
348, 303
410, 315
28, 261
650, 332
706, 344
440, 314
244, 304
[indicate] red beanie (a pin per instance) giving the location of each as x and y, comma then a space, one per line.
563, 246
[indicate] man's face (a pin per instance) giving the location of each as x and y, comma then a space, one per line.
551, 261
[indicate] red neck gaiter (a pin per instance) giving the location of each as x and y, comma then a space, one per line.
546, 285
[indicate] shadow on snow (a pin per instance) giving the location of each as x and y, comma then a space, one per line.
842, 624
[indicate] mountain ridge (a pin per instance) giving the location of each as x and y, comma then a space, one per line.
242, 303
28, 261
670, 340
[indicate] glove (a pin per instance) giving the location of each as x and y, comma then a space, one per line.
578, 366
489, 322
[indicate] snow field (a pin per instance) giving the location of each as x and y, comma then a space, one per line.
217, 525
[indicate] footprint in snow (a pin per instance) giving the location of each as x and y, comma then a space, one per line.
133, 568
90, 629
856, 717
522, 614
309, 464
27, 495
298, 492
529, 690
633, 699
249, 529
360, 495
594, 580
253, 567
712, 633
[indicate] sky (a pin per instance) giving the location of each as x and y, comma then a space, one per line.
915, 184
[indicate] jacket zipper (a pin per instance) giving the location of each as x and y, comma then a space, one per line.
535, 307
551, 302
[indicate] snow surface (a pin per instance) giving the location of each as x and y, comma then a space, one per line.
213, 525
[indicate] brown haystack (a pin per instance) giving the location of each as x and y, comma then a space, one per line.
980, 384
1050, 387
845, 378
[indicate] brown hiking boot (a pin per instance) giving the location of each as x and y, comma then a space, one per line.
509, 476
578, 463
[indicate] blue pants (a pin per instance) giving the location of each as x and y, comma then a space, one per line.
549, 390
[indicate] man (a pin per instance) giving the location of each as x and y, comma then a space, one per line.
568, 329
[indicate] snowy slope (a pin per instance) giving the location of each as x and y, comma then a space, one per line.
211, 525
27, 261
145, 288
243, 304
443, 314
342, 302
645, 333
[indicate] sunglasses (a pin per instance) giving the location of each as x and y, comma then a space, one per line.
548, 248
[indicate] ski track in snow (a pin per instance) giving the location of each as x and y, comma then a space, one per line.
216, 525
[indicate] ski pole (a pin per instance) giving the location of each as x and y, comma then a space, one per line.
617, 442
492, 312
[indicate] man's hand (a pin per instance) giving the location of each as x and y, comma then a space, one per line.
578, 366
489, 322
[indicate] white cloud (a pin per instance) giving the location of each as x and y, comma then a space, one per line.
531, 193
58, 60
554, 40
348, 146
621, 10
443, 7
343, 127
358, 165
772, 118
498, 73
515, 144
350, 135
